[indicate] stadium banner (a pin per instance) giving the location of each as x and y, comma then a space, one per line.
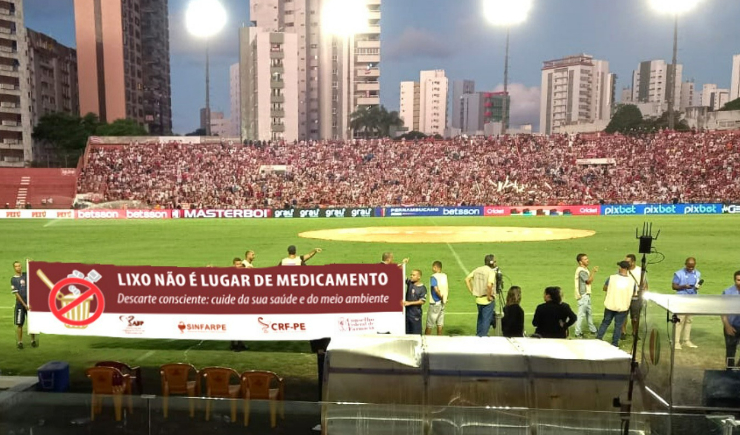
731, 208
331, 212
647, 209
543, 210
428, 211
259, 213
276, 303
95, 213
37, 214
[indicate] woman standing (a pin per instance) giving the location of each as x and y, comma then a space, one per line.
553, 318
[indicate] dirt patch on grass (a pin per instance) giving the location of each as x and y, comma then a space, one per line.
446, 234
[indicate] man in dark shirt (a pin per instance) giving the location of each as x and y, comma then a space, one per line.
416, 294
19, 287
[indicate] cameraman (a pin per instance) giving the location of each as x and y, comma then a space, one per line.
481, 283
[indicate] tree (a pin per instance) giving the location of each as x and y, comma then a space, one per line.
374, 121
197, 132
628, 118
732, 105
65, 132
412, 135
121, 127
661, 123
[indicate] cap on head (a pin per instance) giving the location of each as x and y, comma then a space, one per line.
624, 264
291, 250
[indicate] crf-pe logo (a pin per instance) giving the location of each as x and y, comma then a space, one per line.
276, 327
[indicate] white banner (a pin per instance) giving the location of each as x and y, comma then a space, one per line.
36, 214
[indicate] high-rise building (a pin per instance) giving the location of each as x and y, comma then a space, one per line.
424, 103
123, 61
713, 97
409, 108
331, 76
220, 125
15, 126
626, 96
688, 95
651, 83
235, 113
735, 78
575, 90
459, 88
481, 108
53, 76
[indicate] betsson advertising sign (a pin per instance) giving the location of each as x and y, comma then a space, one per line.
428, 211
661, 209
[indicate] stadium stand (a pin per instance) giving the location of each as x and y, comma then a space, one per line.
517, 170
41, 188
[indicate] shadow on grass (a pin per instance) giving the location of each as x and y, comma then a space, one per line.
257, 346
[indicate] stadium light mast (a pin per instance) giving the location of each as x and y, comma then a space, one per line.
344, 19
506, 13
204, 19
675, 8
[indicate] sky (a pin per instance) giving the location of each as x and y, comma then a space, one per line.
454, 36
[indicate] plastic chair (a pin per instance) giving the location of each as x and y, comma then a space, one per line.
108, 382
258, 385
175, 380
218, 384
133, 372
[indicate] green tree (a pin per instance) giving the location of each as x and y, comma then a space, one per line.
65, 132
412, 135
732, 105
197, 132
121, 127
661, 123
627, 118
374, 121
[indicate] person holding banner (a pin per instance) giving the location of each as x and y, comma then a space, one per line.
416, 294
293, 260
19, 287
248, 259
387, 258
436, 311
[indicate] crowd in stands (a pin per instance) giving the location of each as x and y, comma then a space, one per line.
514, 170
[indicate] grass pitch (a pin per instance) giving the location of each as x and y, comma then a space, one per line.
531, 265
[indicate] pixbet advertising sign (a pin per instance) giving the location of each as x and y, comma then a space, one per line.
278, 303
651, 209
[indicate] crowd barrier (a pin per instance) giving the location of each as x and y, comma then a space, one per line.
365, 212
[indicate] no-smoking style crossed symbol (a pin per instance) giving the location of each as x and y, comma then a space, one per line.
56, 295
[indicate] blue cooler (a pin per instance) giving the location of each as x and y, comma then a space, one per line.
54, 376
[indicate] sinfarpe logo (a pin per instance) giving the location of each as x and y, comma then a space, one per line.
132, 325
201, 327
269, 327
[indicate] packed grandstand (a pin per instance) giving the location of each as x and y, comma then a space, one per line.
514, 170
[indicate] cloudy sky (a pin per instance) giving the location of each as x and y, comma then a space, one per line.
454, 36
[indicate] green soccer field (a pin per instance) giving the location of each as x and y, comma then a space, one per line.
531, 265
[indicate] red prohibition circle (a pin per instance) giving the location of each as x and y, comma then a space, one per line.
93, 291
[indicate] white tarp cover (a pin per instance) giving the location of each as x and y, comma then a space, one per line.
696, 304
475, 371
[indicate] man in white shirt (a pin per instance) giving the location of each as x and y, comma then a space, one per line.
634, 272
248, 259
293, 260
619, 289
